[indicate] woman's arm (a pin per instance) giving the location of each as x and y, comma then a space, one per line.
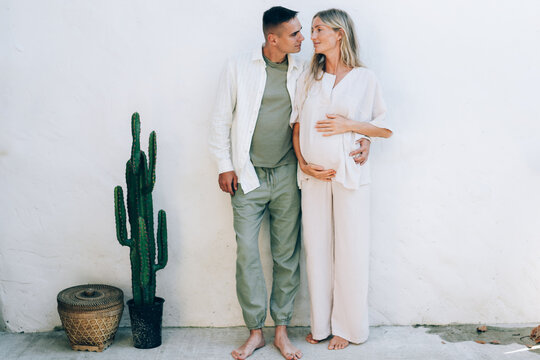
377, 126
314, 170
337, 124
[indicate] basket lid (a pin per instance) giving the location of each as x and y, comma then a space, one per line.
90, 297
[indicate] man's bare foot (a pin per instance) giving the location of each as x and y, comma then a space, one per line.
255, 341
311, 340
282, 342
337, 343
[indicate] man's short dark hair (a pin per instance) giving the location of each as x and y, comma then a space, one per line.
275, 16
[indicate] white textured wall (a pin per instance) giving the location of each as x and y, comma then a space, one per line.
455, 192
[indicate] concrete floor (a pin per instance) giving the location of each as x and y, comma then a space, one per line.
385, 342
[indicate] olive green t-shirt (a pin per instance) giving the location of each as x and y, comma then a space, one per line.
271, 145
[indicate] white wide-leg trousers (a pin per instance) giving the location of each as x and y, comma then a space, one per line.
335, 223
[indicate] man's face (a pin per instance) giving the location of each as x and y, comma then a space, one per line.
288, 36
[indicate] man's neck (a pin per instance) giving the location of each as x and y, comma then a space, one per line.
273, 54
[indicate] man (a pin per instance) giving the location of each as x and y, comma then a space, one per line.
251, 141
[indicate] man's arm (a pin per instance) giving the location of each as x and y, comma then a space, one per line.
361, 154
220, 129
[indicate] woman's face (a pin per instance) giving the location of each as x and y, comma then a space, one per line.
325, 39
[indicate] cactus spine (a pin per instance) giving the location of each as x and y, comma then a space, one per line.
140, 179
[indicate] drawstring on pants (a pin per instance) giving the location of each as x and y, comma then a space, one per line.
270, 176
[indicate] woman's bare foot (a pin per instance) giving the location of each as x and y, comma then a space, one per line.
255, 341
311, 340
282, 342
337, 343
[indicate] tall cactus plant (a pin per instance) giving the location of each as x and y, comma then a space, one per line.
140, 179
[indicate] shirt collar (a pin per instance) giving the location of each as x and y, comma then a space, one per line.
258, 56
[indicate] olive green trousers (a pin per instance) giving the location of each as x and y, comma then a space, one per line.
279, 195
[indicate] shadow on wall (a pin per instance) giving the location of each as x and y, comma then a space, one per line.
2, 322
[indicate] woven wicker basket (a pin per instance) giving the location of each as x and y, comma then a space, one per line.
90, 315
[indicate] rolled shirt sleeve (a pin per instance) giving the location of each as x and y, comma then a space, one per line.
378, 115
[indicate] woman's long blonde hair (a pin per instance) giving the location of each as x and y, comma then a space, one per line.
337, 20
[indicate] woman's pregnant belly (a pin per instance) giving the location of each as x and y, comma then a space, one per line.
326, 151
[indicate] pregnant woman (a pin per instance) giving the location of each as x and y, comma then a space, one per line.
338, 102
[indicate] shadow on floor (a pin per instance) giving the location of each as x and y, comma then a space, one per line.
494, 335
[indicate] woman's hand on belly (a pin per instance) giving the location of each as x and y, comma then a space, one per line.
334, 124
318, 172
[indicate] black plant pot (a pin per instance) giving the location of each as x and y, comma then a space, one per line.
146, 323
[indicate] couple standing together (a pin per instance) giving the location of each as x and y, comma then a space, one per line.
279, 125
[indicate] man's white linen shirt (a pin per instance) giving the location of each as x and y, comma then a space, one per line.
236, 110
